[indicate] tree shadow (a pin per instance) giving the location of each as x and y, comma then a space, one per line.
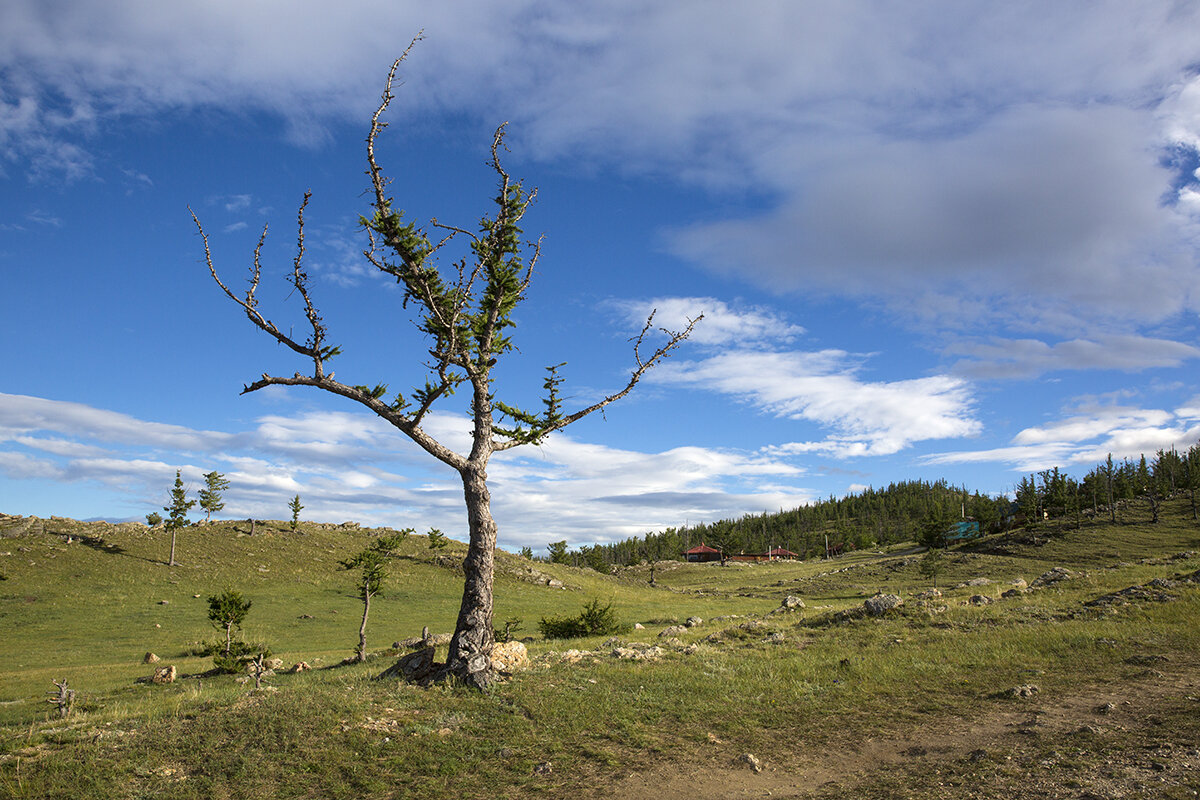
100, 546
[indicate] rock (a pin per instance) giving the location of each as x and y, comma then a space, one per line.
979, 582
692, 622
164, 675
930, 594
273, 663
1053, 576
791, 601
880, 604
1019, 583
164, 602
637, 626
979, 600
674, 630
774, 638
1028, 690
750, 761
300, 666
414, 667
554, 583
150, 658
508, 657
627, 653
544, 768
1015, 592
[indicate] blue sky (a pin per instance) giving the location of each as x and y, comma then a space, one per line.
930, 240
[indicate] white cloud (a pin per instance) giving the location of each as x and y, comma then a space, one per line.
30, 414
723, 324
355, 466
866, 418
1086, 438
1027, 358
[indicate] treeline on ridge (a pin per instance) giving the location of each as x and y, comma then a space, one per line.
903, 512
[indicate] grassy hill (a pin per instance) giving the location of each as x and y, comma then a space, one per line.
834, 702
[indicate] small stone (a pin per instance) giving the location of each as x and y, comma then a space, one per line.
692, 622
749, 760
791, 601
544, 768
674, 630
1027, 690
637, 626
164, 602
150, 658
300, 666
979, 600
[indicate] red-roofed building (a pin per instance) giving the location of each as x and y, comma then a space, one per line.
780, 552
702, 552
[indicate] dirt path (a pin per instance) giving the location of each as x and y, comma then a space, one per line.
1138, 739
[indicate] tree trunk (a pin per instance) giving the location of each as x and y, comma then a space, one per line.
362, 630
470, 658
171, 560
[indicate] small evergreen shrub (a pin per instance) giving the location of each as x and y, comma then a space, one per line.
593, 620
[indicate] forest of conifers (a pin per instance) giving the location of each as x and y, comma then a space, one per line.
899, 512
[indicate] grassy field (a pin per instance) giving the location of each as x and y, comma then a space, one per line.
834, 702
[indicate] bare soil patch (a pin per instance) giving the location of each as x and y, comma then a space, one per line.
1139, 739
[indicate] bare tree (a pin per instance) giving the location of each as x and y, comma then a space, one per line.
465, 309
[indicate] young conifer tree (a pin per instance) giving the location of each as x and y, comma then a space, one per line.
296, 508
466, 310
211, 500
177, 513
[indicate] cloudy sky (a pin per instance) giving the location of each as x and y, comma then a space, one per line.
943, 239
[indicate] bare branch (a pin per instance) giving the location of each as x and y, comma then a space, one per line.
249, 304
674, 339
404, 423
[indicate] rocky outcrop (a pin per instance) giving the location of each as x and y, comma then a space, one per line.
508, 657
881, 604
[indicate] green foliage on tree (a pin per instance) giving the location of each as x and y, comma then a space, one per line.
296, 508
932, 564
593, 620
527, 553
211, 495
227, 611
437, 539
177, 510
935, 528
558, 552
154, 519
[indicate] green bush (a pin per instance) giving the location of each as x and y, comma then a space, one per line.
239, 654
593, 620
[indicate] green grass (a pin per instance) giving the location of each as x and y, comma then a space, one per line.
89, 613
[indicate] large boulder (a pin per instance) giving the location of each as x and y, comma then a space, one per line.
881, 604
508, 657
164, 675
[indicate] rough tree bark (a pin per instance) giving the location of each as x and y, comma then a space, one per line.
465, 309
